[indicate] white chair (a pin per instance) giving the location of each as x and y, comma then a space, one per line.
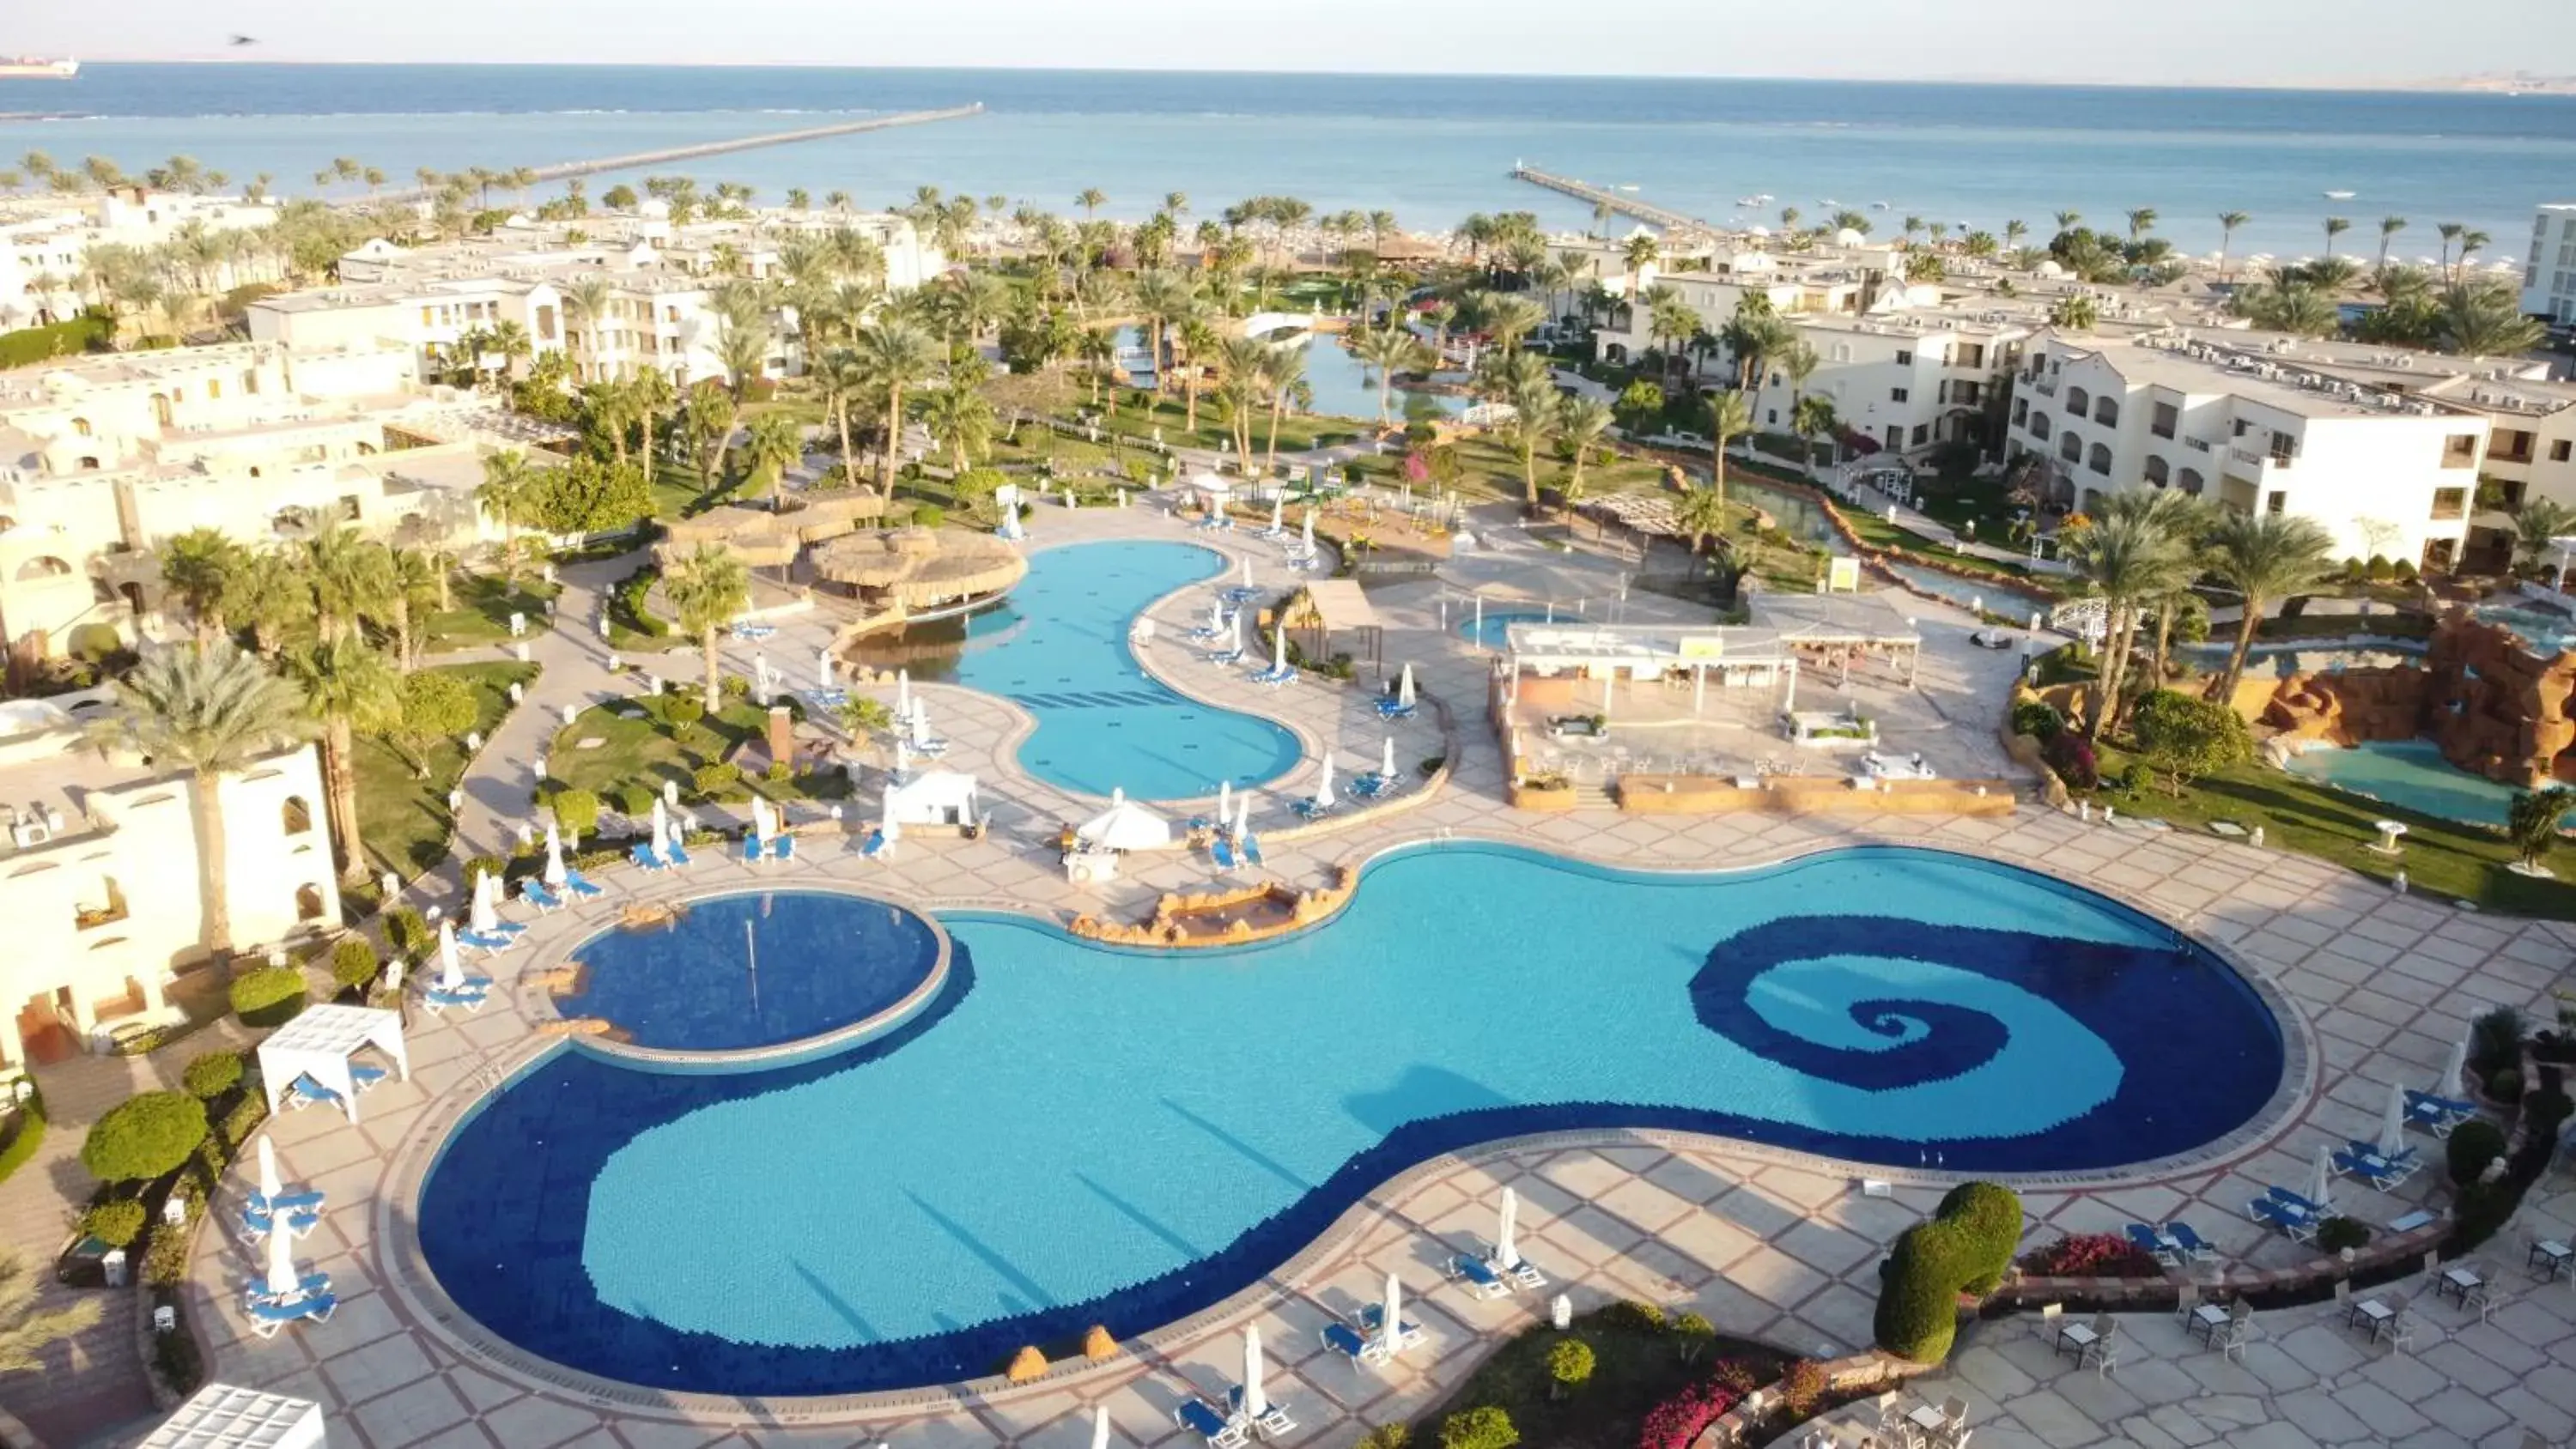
2104, 1351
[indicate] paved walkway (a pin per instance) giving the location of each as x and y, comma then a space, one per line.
1765, 1244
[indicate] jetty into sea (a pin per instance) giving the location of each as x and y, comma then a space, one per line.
664, 157
1625, 205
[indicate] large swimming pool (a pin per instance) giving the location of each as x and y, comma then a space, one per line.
1073, 1134
1059, 650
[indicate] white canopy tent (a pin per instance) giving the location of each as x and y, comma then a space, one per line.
221, 1416
1126, 825
933, 797
319, 1044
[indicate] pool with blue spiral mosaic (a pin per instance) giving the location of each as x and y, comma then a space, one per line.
1073, 1134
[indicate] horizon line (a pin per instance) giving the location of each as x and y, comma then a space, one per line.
2461, 84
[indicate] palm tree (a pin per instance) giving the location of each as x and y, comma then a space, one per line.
2389, 227
1388, 351
351, 577
774, 443
841, 382
959, 418
2264, 556
2471, 242
894, 355
1510, 318
1162, 297
1702, 513
2075, 314
1283, 376
210, 713
1090, 200
1581, 424
2335, 227
348, 686
2485, 319
2128, 558
504, 496
197, 567
1730, 416
2451, 231
2141, 221
419, 583
26, 1333
1533, 418
2069, 220
708, 589
2228, 222
2535, 524
1198, 341
586, 301
1816, 420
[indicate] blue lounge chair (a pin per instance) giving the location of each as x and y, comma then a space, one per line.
1407, 1334
1273, 1422
679, 853
1223, 849
1481, 1278
1345, 1340
2194, 1247
534, 892
875, 847
782, 847
1387, 708
2289, 1217
506, 928
2401, 1157
267, 1318
2144, 1239
2371, 1168
1227, 656
2437, 1115
306, 1092
488, 945
1250, 845
1309, 809
2306, 1205
1201, 1418
581, 885
647, 857
1274, 677
752, 850
468, 997
258, 1221
311, 1285
310, 1200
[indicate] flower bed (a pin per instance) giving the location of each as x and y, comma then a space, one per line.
2091, 1255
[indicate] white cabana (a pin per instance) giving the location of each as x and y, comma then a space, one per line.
320, 1043
222, 1416
933, 797
1125, 825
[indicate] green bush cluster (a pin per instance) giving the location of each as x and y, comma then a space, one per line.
269, 995
577, 811
2338, 1233
2473, 1145
212, 1074
26, 1133
2038, 719
717, 778
407, 933
483, 865
144, 1137
1483, 1427
116, 1222
354, 963
626, 606
1964, 1247
1635, 1313
929, 515
633, 801
89, 332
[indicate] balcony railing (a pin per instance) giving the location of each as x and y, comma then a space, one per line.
2249, 458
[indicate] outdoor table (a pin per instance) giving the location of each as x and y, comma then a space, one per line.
2377, 1314
1926, 1418
2550, 1258
2077, 1334
2206, 1320
2455, 1283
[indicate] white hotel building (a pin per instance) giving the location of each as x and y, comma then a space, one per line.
2549, 268
2252, 424
44, 256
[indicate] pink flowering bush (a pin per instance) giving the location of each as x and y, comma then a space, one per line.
1675, 1422
2091, 1255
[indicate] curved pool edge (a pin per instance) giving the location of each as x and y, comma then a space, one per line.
542, 1005
398, 1243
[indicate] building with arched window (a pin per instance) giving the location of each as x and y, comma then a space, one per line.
102, 884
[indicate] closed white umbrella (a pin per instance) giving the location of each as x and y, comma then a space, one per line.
1324, 785
1224, 801
1255, 1402
823, 668
902, 756
2392, 1124
1243, 816
271, 1186
1279, 514
1386, 762
1247, 571
921, 724
762, 826
1100, 1427
2321, 1181
1507, 1254
1404, 687
480, 914
892, 828
661, 825
451, 967
1278, 647
2454, 1067
554, 872
283, 1281
902, 693
1392, 1306
1310, 531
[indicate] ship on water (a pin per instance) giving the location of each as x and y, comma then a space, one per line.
33, 67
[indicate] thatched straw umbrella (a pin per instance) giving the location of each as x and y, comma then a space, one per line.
917, 567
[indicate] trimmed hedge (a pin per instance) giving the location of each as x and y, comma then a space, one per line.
269, 996
144, 1137
25, 1138
88, 332
354, 963
116, 1222
2473, 1144
1964, 1247
212, 1074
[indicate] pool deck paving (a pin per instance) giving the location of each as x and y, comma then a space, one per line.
1767, 1244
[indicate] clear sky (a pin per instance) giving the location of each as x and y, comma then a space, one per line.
2227, 42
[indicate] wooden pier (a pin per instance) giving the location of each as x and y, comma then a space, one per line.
1598, 196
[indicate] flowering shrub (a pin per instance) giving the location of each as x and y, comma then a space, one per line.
1675, 1422
2090, 1255
2071, 756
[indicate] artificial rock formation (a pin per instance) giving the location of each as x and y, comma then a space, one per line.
2495, 708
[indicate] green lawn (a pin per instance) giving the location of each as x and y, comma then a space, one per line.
404, 818
1488, 470
1876, 532
639, 748
1634, 1369
2385, 623
484, 603
2442, 857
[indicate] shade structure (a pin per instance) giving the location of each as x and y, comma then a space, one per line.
282, 1279
319, 1044
1243, 815
921, 725
1390, 1329
2392, 1123
1404, 687
1255, 1402
763, 823
2321, 1179
1278, 515
1126, 825
1324, 785
2454, 1068
554, 872
271, 1185
1100, 1426
1224, 802
1247, 571
661, 827
451, 962
1386, 764
933, 797
1309, 534
902, 694
1507, 1253
823, 673
1278, 647
483, 913
225, 1416
902, 755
